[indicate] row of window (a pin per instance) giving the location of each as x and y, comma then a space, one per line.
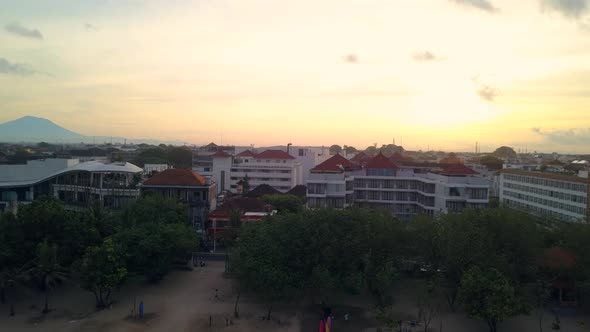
253, 179
545, 192
330, 202
268, 161
269, 171
546, 202
394, 196
536, 209
395, 184
581, 187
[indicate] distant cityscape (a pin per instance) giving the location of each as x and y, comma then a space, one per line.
406, 183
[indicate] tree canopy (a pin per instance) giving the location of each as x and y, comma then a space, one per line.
492, 162
334, 149
504, 152
488, 295
44, 242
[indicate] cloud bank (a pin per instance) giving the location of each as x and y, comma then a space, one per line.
19, 30
9, 68
573, 136
569, 8
484, 5
425, 56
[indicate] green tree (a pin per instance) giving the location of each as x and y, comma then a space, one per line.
151, 249
245, 185
47, 270
285, 203
334, 149
504, 152
503, 239
491, 162
154, 233
382, 285
350, 149
102, 269
372, 150
488, 295
317, 252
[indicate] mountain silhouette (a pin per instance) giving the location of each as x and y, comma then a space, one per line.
31, 129
34, 129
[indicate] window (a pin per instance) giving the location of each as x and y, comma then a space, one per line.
301, 152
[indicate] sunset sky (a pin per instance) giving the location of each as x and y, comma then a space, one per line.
439, 73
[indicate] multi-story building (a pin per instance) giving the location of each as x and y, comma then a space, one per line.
150, 169
203, 160
186, 186
546, 194
276, 168
69, 180
405, 190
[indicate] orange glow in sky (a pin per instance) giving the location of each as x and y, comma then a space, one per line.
439, 73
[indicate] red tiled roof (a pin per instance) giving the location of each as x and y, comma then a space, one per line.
457, 170
274, 154
176, 177
381, 162
332, 165
261, 190
557, 258
247, 153
298, 190
221, 154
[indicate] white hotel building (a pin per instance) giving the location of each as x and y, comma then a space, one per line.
546, 194
403, 190
275, 168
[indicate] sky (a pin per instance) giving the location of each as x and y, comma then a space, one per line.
437, 74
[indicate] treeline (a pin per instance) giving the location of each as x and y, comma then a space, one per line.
45, 244
177, 156
482, 260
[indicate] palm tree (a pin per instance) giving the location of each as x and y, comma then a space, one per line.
47, 270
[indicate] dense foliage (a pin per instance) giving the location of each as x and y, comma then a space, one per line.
318, 251
487, 254
44, 243
285, 203
177, 156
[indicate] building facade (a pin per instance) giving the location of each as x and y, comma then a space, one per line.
188, 187
546, 194
276, 168
75, 183
202, 157
403, 190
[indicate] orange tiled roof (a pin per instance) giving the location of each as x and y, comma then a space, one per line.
274, 154
380, 161
221, 154
334, 164
177, 177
